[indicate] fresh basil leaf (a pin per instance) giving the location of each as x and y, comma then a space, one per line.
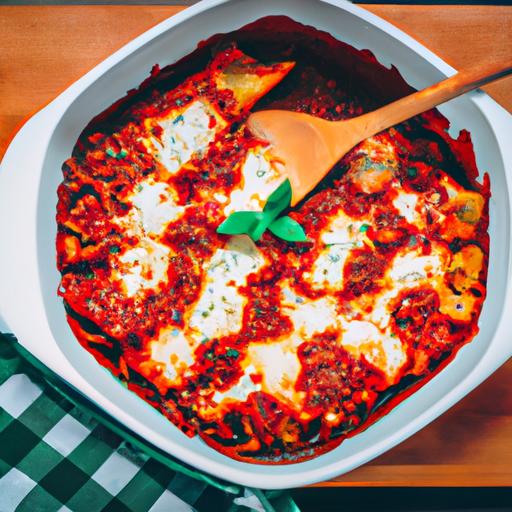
279, 200
288, 229
241, 223
256, 232
254, 224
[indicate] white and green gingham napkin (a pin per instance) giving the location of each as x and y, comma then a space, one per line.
58, 452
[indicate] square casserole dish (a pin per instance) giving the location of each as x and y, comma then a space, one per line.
30, 174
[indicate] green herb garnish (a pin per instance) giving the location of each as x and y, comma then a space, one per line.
364, 228
231, 352
178, 119
110, 152
402, 323
254, 224
288, 229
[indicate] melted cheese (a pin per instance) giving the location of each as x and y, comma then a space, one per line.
341, 235
277, 362
327, 269
364, 339
411, 267
220, 307
406, 205
279, 366
240, 391
174, 352
344, 230
156, 203
143, 267
408, 270
259, 179
184, 133
309, 316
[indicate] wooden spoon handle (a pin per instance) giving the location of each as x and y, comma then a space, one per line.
421, 101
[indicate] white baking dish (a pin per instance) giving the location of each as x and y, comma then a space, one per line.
30, 173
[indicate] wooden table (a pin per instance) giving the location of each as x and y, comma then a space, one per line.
44, 49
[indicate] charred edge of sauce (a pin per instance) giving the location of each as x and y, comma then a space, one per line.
109, 355
386, 401
112, 352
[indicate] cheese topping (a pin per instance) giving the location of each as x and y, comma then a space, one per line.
364, 339
259, 179
184, 134
406, 205
173, 351
241, 390
143, 267
279, 366
156, 204
220, 306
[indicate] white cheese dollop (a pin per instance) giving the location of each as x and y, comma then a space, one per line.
383, 351
406, 205
220, 307
279, 366
184, 134
173, 351
259, 180
143, 266
156, 204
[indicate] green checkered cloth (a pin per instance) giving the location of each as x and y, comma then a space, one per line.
58, 452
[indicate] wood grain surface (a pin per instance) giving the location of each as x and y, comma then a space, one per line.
44, 49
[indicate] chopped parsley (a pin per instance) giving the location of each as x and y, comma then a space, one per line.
176, 315
110, 152
402, 323
179, 119
231, 352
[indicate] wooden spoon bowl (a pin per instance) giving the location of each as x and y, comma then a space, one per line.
308, 147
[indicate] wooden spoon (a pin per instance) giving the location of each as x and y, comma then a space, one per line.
309, 146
